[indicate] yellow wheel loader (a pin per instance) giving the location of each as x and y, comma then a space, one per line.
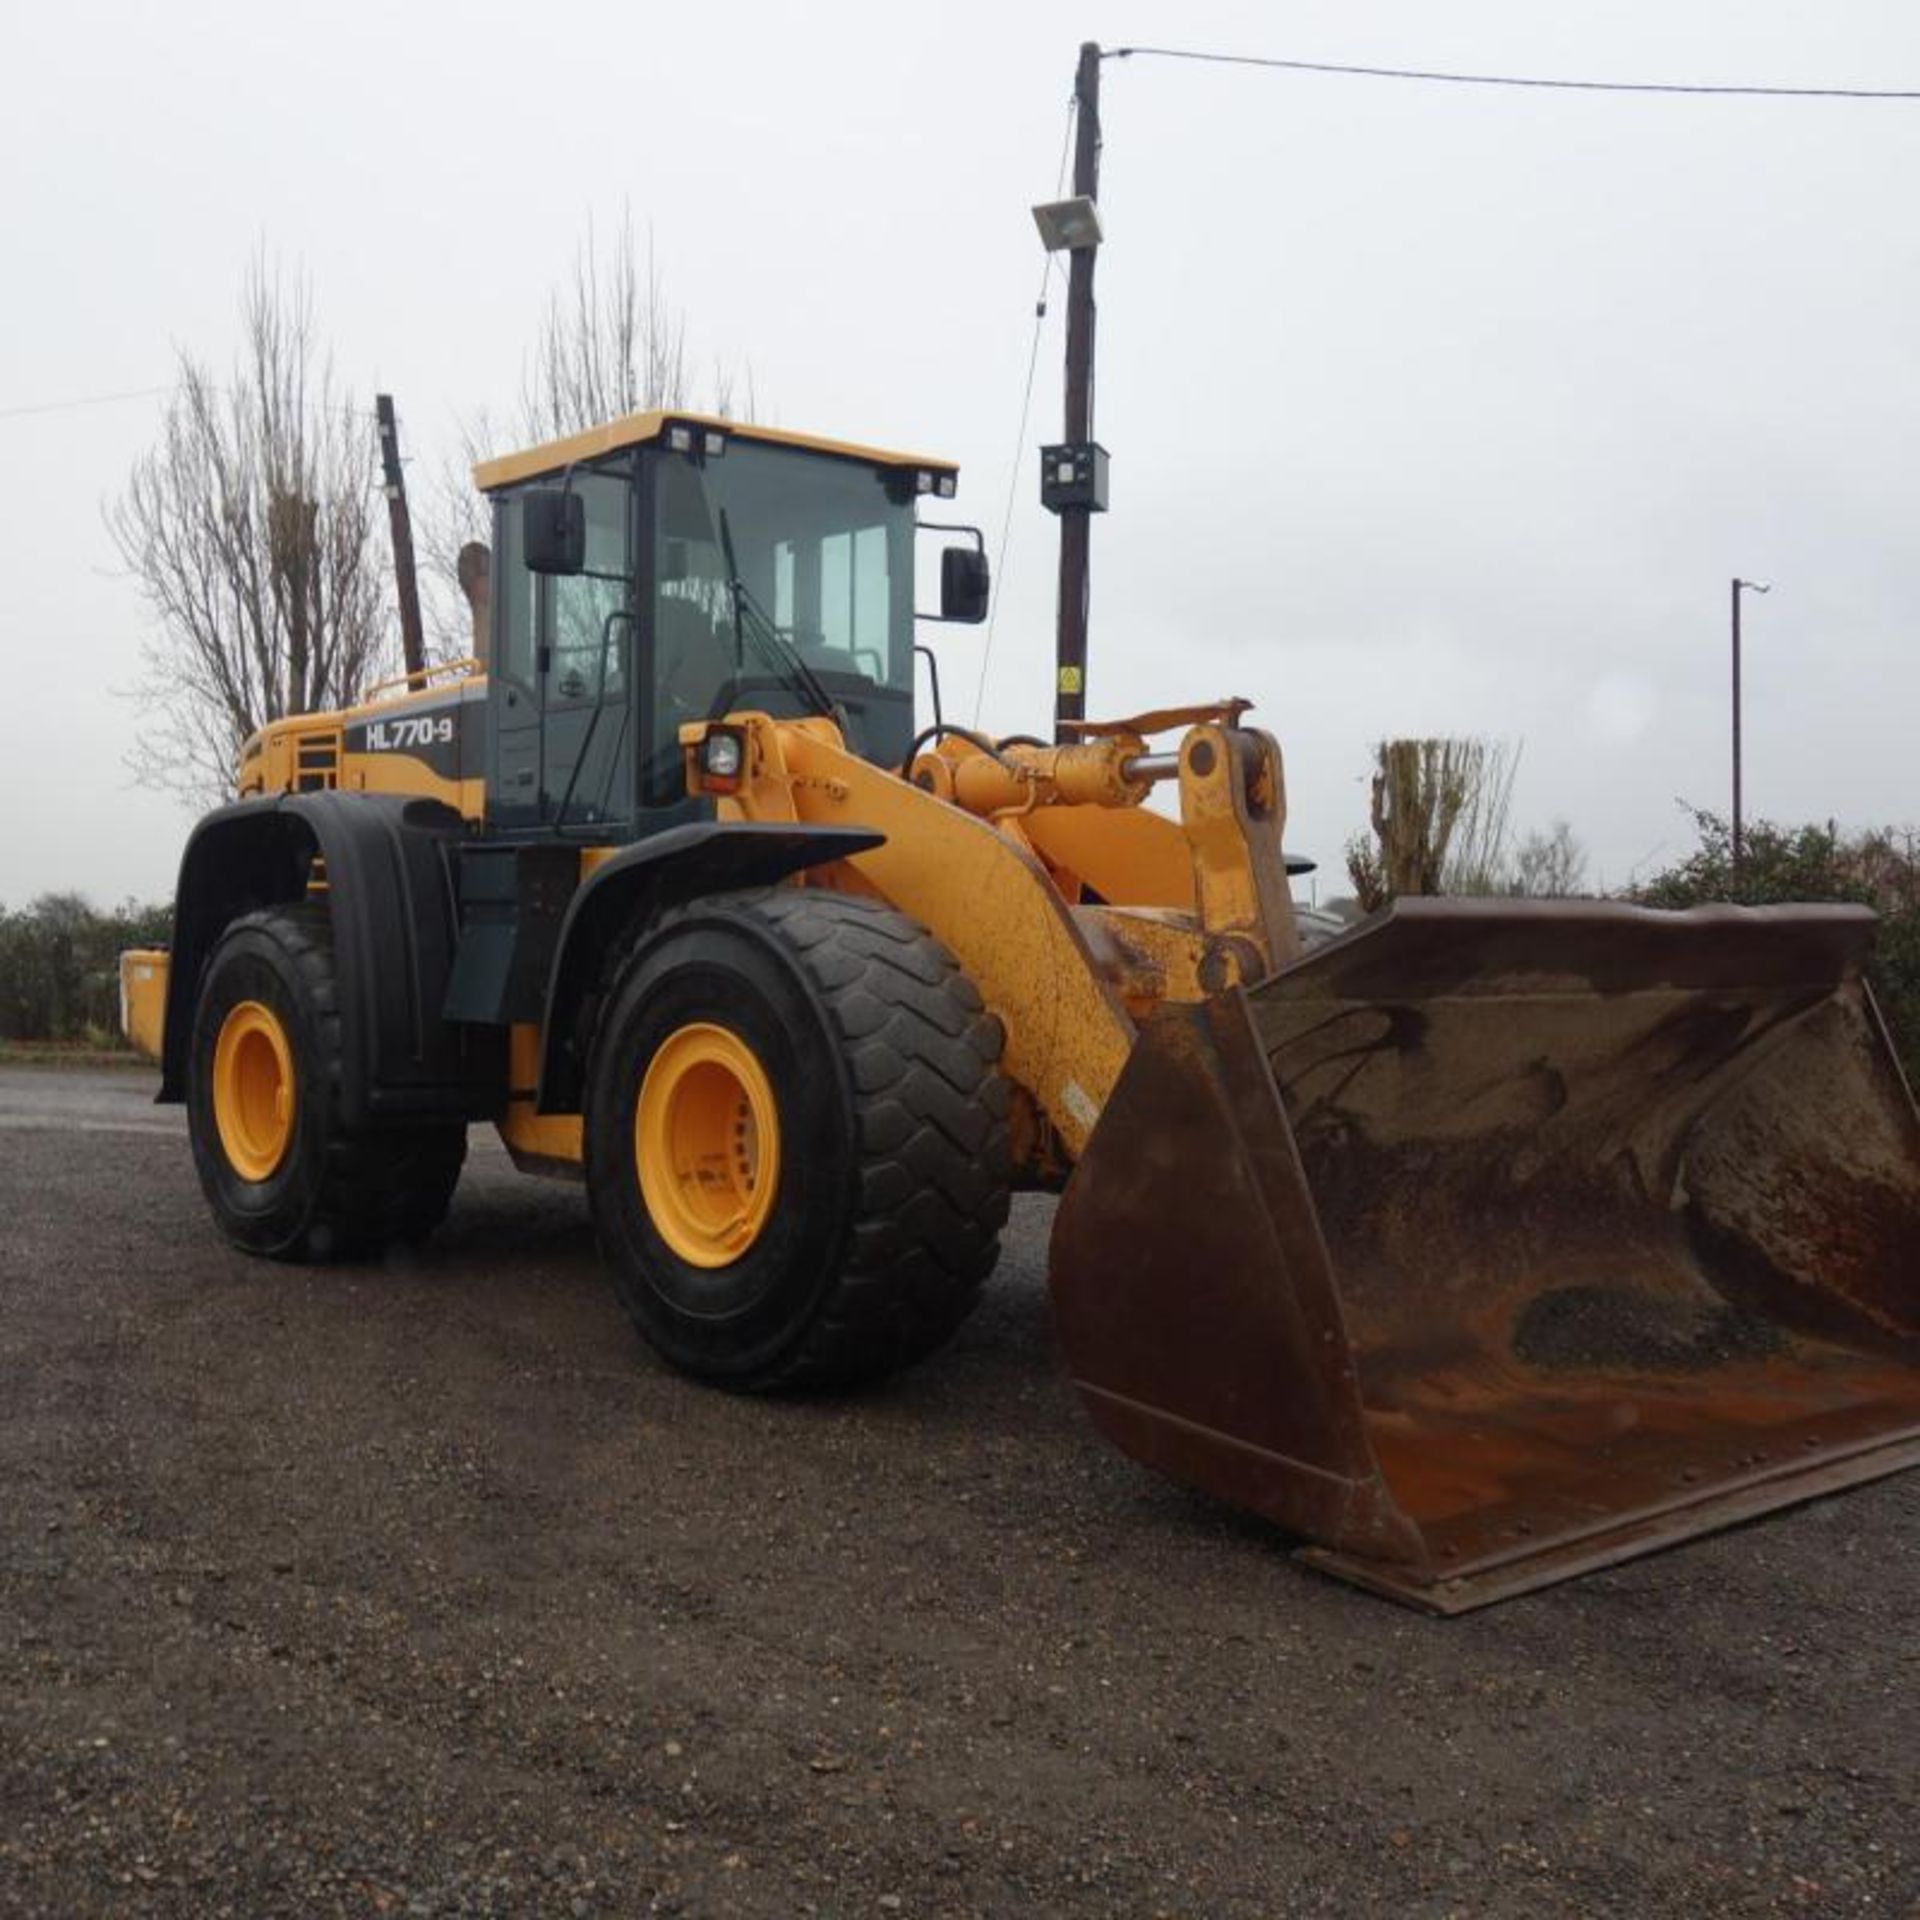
1482, 1244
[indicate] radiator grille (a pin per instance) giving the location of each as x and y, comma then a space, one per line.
317, 762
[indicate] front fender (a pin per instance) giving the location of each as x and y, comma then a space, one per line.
683, 863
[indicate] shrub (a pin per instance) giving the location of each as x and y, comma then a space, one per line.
1782, 865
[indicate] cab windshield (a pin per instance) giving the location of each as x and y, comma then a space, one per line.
783, 580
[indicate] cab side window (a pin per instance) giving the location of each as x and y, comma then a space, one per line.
583, 632
835, 596
516, 594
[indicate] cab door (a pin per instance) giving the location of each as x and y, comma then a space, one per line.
585, 669
560, 679
513, 680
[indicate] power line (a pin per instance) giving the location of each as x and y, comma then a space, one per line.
1515, 80
357, 415
88, 400
1006, 523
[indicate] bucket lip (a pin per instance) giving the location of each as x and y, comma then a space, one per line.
1631, 1534
1716, 913
1481, 910
1436, 945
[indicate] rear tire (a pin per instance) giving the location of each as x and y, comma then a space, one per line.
282, 1173
849, 1229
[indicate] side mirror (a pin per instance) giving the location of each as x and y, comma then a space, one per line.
965, 585
553, 531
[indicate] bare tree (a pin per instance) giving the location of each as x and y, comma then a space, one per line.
1442, 812
612, 344
1548, 866
252, 529
1477, 856
609, 343
1439, 819
453, 524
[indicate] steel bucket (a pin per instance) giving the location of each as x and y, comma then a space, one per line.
1493, 1243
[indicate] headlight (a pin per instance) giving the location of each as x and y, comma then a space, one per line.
723, 753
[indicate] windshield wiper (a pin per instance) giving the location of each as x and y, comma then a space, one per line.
749, 617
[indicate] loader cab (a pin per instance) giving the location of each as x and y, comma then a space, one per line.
691, 569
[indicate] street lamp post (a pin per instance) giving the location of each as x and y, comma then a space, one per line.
1739, 587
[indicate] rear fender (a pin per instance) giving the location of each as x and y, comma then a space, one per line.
390, 896
238, 859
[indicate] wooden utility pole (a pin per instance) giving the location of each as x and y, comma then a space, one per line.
412, 639
1737, 835
1739, 829
1070, 666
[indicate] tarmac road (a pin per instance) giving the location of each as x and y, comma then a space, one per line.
424, 1590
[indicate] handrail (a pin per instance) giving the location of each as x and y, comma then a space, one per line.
469, 666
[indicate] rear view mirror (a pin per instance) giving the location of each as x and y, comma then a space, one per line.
553, 530
964, 585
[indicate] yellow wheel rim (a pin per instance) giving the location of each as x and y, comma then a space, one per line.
253, 1089
706, 1143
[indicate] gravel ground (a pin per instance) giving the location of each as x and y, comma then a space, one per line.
422, 1590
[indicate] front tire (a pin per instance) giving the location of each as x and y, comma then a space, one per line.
797, 1147
282, 1173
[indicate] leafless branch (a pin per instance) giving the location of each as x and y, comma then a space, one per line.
609, 343
250, 526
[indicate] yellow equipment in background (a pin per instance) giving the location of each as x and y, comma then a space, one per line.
1483, 1244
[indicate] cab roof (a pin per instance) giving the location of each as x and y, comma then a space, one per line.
636, 429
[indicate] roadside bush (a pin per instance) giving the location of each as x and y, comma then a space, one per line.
60, 966
1781, 865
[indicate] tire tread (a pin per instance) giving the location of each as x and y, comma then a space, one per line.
932, 1146
378, 1185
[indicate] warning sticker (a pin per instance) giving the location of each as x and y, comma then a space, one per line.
1079, 1102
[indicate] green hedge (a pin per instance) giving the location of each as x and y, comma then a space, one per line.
1781, 865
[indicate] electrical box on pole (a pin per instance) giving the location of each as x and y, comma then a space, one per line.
1074, 476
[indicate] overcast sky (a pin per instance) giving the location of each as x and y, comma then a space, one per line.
1431, 409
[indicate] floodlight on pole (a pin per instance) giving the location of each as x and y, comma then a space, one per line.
1067, 226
